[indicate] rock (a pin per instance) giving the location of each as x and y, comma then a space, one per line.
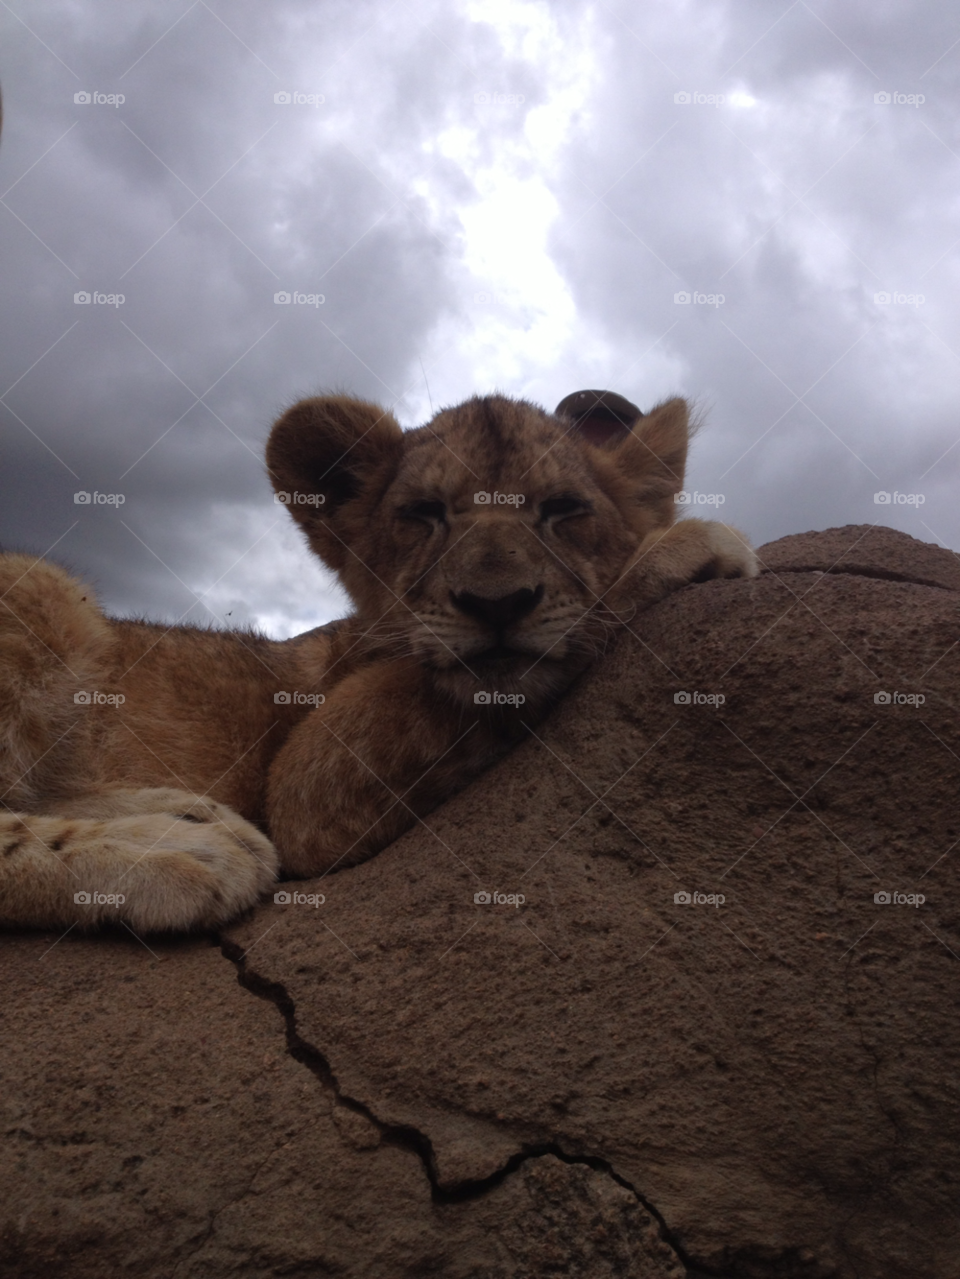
154, 1124
604, 1079
866, 550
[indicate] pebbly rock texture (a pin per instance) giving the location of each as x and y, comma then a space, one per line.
865, 550
700, 1042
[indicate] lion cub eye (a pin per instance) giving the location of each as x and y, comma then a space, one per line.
560, 507
428, 512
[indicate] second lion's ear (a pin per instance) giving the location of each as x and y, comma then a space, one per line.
601, 417
329, 460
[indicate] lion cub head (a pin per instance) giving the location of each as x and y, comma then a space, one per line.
484, 542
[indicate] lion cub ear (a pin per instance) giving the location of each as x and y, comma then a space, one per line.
648, 450
654, 454
329, 461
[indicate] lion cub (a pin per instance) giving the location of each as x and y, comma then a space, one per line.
163, 776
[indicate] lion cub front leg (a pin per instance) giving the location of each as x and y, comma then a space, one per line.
668, 559
383, 750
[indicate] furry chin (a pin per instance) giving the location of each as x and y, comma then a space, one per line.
534, 681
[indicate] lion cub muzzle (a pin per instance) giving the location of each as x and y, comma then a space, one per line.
501, 612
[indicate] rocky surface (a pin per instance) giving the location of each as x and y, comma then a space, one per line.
865, 550
602, 1079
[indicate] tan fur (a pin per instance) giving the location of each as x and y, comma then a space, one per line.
160, 790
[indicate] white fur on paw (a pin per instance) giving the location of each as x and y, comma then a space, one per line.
733, 554
197, 868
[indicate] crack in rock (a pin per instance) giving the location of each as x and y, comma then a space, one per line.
411, 1139
861, 570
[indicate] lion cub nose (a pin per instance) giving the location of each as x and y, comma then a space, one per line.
502, 612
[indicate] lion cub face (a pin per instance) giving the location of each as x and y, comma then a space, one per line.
482, 543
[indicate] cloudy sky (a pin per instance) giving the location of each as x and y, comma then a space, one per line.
490, 195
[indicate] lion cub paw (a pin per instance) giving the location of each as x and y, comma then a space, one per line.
155, 860
194, 868
199, 867
731, 553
